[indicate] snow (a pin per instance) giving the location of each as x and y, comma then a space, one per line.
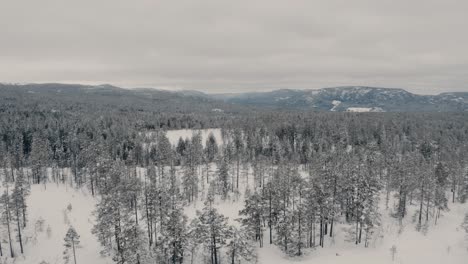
444, 243
335, 104
49, 203
377, 109
359, 109
364, 109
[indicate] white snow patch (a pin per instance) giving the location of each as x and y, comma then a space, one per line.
335, 104
364, 109
359, 109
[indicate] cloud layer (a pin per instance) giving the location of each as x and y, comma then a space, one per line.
232, 46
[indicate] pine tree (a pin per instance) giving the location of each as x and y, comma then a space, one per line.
212, 230
254, 212
240, 247
6, 216
39, 158
284, 218
164, 154
239, 149
370, 215
211, 148
173, 236
224, 182
116, 221
18, 197
424, 187
180, 149
190, 177
463, 196
465, 226
72, 240
441, 176
211, 151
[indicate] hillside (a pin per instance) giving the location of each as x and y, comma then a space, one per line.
337, 99
99, 97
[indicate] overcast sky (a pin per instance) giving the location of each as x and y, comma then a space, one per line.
233, 46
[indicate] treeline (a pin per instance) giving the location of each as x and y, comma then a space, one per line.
299, 173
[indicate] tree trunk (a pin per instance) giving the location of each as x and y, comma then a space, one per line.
360, 232
300, 235
333, 205
136, 209
92, 184
12, 174
238, 163
215, 253
427, 207
421, 205
233, 256
270, 222
23, 208
73, 246
19, 226
8, 217
321, 232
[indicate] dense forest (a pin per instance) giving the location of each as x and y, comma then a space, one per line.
299, 175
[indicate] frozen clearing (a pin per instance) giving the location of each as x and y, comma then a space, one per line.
174, 135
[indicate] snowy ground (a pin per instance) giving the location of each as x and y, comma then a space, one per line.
50, 207
443, 243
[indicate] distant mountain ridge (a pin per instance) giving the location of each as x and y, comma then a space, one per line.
335, 99
352, 98
79, 97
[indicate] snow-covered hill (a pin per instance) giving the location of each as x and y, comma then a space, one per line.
351, 97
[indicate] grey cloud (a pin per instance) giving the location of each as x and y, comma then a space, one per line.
219, 46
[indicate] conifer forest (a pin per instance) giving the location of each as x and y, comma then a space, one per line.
223, 187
